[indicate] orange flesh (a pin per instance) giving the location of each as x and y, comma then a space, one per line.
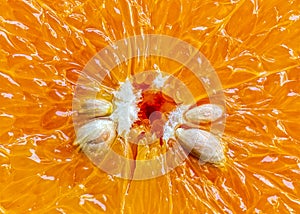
254, 48
154, 110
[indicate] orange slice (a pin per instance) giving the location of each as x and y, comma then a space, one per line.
254, 48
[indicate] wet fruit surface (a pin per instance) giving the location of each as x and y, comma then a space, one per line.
154, 109
254, 48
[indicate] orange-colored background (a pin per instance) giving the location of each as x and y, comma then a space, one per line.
254, 47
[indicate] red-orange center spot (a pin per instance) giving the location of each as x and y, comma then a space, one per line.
154, 109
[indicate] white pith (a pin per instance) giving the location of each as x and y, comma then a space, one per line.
159, 81
175, 118
125, 107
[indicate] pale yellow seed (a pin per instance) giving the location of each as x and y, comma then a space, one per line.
202, 144
96, 132
204, 113
96, 107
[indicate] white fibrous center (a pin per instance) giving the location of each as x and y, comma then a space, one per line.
126, 108
174, 120
159, 81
